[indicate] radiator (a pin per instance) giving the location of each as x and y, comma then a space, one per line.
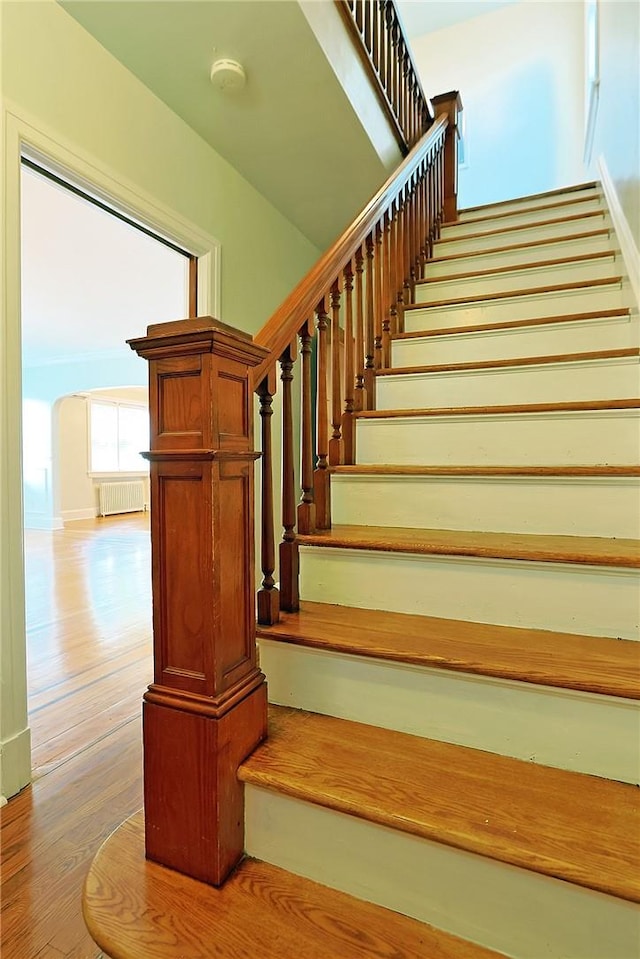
120, 497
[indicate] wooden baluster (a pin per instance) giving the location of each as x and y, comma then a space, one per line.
405, 99
393, 273
393, 58
268, 594
433, 187
360, 395
322, 489
359, 15
382, 19
399, 285
306, 506
367, 25
440, 182
369, 340
390, 49
335, 443
406, 251
206, 709
412, 238
451, 104
387, 297
375, 35
289, 596
424, 252
349, 378
379, 302
417, 196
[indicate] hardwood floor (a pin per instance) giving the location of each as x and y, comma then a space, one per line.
89, 654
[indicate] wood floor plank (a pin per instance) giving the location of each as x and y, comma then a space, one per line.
530, 547
574, 827
565, 660
262, 912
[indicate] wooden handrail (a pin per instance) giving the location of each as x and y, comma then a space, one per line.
282, 327
382, 47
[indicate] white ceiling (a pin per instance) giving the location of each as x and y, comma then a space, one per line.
426, 16
72, 251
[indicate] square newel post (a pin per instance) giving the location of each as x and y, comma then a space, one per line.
206, 709
451, 104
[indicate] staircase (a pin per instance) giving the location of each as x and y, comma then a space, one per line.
456, 734
454, 747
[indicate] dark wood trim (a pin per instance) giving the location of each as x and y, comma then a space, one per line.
515, 471
560, 204
509, 248
536, 196
518, 267
512, 294
577, 407
518, 324
593, 355
193, 286
524, 226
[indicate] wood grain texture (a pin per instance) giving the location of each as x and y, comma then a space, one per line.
565, 204
572, 407
576, 188
527, 226
138, 910
579, 828
517, 324
514, 361
592, 664
407, 470
499, 270
509, 247
530, 547
609, 281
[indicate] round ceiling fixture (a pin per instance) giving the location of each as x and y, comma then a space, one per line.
228, 76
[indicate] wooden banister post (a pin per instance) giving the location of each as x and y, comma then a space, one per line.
206, 708
451, 104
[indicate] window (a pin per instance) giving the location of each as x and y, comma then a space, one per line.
118, 433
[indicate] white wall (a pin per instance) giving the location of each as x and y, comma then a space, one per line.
617, 131
520, 72
60, 86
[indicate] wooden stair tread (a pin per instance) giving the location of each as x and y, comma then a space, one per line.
530, 547
607, 281
136, 909
518, 324
510, 247
379, 469
516, 268
571, 826
558, 204
559, 191
513, 361
578, 406
525, 226
565, 660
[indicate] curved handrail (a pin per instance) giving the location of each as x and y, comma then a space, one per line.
282, 327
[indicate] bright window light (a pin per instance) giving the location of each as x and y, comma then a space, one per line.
118, 434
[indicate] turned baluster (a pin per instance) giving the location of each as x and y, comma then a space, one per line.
406, 249
375, 35
392, 85
359, 14
386, 291
378, 297
433, 192
359, 398
393, 273
422, 229
268, 594
369, 344
335, 443
306, 506
417, 194
367, 25
400, 294
322, 489
289, 599
347, 417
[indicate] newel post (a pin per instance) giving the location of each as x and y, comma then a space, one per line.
451, 104
206, 709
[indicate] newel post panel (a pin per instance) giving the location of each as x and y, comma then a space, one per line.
451, 104
206, 709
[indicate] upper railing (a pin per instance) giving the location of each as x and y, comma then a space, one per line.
206, 708
383, 48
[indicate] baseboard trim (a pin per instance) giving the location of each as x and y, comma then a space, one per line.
628, 248
71, 515
42, 521
15, 763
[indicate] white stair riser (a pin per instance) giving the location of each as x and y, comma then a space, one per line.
522, 235
521, 279
579, 732
516, 439
469, 895
519, 218
511, 308
572, 506
551, 339
570, 598
546, 383
482, 260
529, 202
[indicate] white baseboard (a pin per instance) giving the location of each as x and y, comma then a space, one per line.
628, 247
70, 515
42, 521
15, 763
